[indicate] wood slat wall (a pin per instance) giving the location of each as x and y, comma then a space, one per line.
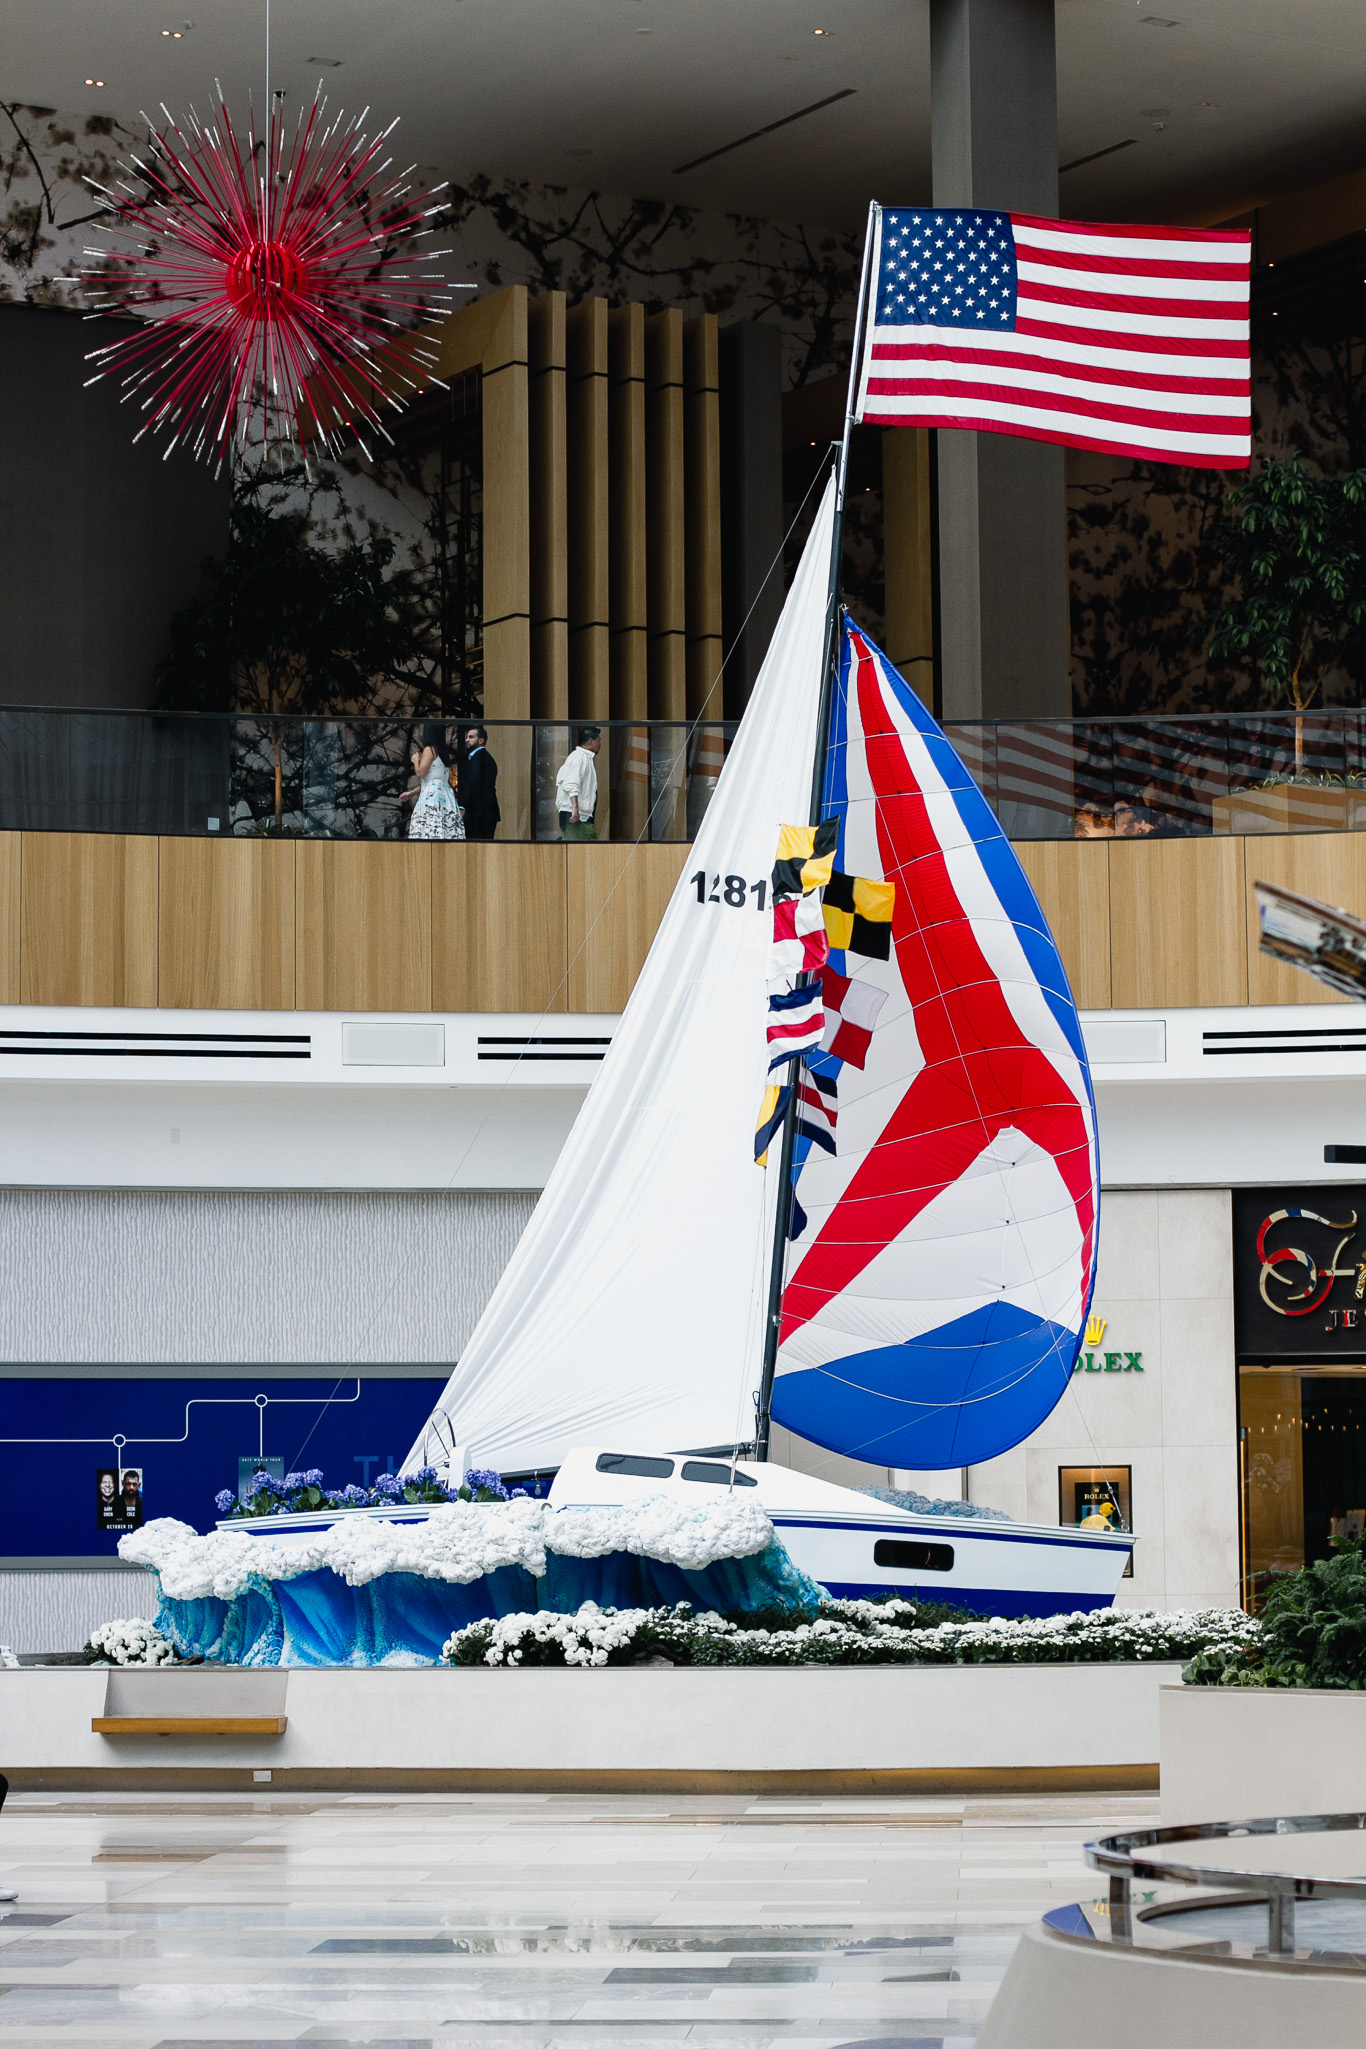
702, 502
548, 457
589, 537
99, 919
602, 514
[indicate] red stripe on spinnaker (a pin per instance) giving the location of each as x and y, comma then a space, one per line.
981, 1076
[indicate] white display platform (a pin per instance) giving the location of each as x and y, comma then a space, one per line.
1250, 1750
1060, 1993
974, 1727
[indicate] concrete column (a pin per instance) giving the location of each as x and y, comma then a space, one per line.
751, 367
1002, 510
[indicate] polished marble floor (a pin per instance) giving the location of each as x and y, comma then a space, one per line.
525, 1920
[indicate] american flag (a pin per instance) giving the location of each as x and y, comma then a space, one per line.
1129, 339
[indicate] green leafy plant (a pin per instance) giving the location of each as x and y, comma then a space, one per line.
1313, 1630
1294, 545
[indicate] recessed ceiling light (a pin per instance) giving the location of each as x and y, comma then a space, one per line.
94, 81
822, 31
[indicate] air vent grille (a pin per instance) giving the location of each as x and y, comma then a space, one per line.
157, 1045
1285, 1043
543, 1048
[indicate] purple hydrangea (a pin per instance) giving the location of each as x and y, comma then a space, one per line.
224, 1501
353, 1496
388, 1487
483, 1479
313, 1477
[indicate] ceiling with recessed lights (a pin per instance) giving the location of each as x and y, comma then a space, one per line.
1191, 113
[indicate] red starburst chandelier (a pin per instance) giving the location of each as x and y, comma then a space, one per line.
280, 284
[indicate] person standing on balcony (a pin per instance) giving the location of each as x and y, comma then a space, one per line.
479, 786
436, 814
576, 787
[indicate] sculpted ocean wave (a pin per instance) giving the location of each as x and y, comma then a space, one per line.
458, 1543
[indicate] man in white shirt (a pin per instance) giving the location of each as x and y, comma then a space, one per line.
576, 787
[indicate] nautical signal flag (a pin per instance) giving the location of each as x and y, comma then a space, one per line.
806, 855
796, 1023
858, 914
851, 1010
816, 1108
771, 1114
799, 942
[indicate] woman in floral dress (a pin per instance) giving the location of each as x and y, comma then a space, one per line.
436, 814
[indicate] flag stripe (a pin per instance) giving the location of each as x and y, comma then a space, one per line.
1033, 231
1058, 395
1143, 358
1129, 339
1232, 393
1100, 287
990, 416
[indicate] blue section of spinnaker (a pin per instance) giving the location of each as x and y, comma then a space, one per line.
952, 1397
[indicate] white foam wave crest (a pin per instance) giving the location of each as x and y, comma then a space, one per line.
458, 1543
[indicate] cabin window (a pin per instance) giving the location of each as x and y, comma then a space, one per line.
718, 1476
635, 1468
904, 1557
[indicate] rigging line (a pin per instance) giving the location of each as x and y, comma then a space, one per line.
781, 1244
511, 1072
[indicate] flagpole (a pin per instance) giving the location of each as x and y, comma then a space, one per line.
778, 1260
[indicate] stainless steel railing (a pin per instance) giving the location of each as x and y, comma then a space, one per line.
1128, 1860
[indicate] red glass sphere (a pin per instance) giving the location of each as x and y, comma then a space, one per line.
260, 276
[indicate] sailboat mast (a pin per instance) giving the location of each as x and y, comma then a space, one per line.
783, 1208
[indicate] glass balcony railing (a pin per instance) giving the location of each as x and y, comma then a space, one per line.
195, 774
1135, 778
173, 773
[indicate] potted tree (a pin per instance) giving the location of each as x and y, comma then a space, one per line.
1294, 544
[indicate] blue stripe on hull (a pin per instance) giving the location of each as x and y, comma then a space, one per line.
1012, 1604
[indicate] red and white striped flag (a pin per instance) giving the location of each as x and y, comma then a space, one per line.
1134, 340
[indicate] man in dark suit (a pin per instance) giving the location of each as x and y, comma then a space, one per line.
479, 786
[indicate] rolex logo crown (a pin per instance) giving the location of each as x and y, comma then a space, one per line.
1095, 1330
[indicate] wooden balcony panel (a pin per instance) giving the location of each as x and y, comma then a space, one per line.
363, 923
226, 924
88, 918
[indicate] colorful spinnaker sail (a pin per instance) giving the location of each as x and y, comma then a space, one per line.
945, 1253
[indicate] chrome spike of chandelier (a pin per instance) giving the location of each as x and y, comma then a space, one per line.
281, 284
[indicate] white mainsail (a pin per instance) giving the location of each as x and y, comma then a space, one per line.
633, 1307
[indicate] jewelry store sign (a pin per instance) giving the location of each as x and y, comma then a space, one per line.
1299, 1272
1098, 1361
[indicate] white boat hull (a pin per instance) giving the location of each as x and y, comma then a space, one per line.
860, 1548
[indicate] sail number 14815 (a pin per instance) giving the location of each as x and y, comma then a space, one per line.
729, 889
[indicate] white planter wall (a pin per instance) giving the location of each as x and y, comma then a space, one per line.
1062, 1718
1233, 1753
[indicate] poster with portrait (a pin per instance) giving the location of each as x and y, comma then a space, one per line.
108, 1510
130, 1496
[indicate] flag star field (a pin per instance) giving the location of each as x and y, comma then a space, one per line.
952, 269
